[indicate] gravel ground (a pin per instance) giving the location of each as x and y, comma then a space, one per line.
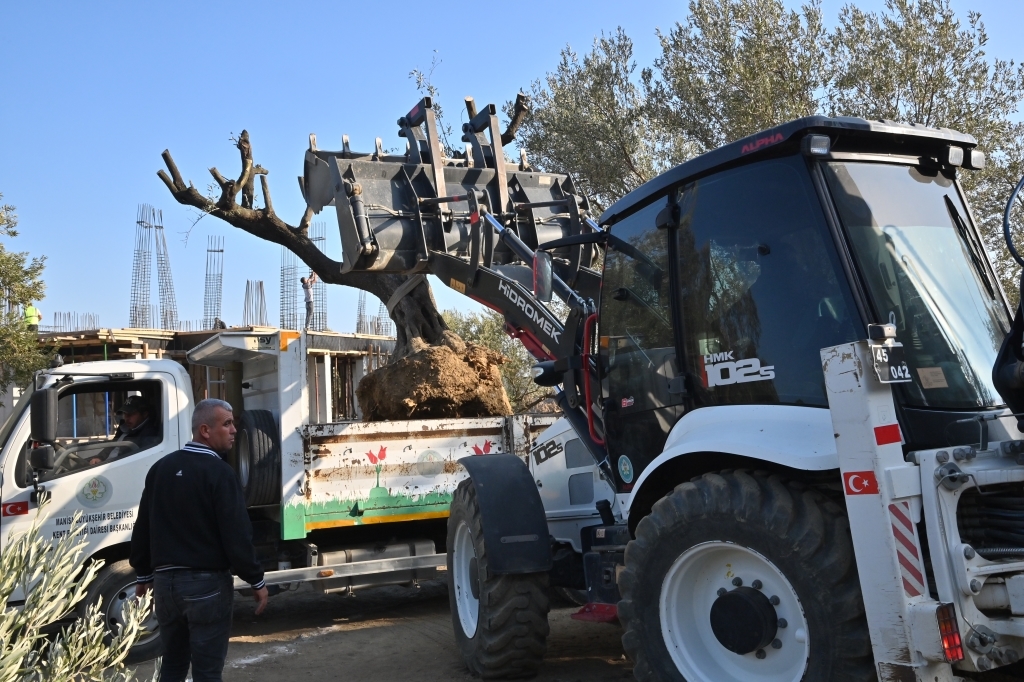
397, 633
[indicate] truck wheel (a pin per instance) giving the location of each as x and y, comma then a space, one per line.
258, 453
500, 621
741, 576
115, 585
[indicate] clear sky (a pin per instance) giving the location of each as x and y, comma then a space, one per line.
92, 93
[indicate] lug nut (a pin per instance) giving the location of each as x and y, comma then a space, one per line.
721, 591
783, 623
737, 581
760, 653
774, 600
975, 586
777, 644
941, 456
984, 664
969, 552
757, 584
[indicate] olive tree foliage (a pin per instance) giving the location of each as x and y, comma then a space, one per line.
488, 329
51, 578
733, 67
919, 63
20, 284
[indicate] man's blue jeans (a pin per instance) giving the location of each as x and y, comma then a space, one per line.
194, 612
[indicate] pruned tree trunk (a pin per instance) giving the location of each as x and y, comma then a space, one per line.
433, 373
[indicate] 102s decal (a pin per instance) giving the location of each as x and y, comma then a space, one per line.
722, 369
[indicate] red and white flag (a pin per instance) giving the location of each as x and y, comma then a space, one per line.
14, 508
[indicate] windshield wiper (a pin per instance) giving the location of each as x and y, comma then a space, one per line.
961, 227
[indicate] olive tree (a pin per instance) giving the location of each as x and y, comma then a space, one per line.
20, 284
50, 576
730, 68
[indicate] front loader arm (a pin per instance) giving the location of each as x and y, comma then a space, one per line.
475, 222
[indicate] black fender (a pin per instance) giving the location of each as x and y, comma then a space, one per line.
512, 514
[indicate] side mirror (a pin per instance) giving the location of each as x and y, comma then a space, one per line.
542, 276
44, 416
42, 458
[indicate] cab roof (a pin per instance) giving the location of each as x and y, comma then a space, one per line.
846, 132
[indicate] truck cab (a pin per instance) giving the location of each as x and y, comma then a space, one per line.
96, 472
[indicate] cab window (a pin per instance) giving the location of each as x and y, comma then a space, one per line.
99, 423
762, 289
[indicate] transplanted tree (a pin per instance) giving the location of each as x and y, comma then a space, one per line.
417, 320
734, 67
20, 284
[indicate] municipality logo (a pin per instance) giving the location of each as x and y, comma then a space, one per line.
95, 492
625, 469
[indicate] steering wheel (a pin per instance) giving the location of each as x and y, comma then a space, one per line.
66, 454
74, 452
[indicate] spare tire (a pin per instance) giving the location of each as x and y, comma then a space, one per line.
258, 457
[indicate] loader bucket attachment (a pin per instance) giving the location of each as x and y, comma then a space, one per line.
396, 212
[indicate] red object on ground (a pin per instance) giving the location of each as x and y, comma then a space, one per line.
598, 613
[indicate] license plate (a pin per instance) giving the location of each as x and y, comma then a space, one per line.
890, 365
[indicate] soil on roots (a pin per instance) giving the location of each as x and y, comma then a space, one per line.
456, 379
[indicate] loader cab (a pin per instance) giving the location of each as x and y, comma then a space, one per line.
780, 248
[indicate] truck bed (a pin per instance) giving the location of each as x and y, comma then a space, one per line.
358, 473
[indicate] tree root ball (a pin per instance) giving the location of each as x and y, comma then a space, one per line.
456, 379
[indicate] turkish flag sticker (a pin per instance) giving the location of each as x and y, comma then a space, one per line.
14, 509
860, 483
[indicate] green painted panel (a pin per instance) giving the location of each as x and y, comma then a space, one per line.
380, 505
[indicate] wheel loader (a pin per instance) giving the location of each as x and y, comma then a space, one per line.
790, 382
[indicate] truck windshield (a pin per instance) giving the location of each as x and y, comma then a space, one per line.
925, 271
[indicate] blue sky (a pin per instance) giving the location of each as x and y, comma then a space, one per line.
92, 93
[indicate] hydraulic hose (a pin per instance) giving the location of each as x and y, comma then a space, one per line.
1006, 224
998, 552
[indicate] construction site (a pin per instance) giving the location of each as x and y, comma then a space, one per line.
154, 331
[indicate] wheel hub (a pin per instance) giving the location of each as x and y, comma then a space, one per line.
744, 620
719, 601
115, 617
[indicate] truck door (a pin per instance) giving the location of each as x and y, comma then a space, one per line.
101, 466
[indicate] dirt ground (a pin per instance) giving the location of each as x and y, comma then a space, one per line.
402, 634
391, 633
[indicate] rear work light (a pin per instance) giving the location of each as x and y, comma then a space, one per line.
816, 145
954, 155
949, 633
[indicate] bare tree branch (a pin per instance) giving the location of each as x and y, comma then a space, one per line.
415, 316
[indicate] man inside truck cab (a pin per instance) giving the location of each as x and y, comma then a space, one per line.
137, 426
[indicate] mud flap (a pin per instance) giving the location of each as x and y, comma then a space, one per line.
512, 515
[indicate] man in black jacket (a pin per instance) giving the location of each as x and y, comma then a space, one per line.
192, 533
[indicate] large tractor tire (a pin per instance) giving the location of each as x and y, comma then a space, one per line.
258, 457
115, 585
500, 621
741, 576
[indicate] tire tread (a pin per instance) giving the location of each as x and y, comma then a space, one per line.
511, 636
816, 526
